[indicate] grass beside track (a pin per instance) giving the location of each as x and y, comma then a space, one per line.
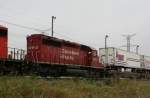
32, 87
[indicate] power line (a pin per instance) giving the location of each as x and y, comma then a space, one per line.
80, 42
25, 27
35, 29
39, 30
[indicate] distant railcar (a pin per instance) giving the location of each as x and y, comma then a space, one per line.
146, 62
42, 48
3, 42
119, 57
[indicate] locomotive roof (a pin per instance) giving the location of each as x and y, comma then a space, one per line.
61, 40
3, 27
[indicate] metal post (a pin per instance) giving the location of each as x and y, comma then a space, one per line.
17, 55
137, 49
14, 53
21, 54
53, 17
106, 36
128, 43
106, 51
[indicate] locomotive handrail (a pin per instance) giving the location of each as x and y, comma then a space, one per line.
12, 53
16, 53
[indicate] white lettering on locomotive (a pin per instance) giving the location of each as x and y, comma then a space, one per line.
68, 54
71, 52
67, 57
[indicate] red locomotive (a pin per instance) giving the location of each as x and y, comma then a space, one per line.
42, 48
3, 42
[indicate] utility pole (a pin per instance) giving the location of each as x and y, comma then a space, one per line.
106, 36
53, 17
106, 50
137, 49
128, 37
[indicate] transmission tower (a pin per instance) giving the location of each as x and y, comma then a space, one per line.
128, 38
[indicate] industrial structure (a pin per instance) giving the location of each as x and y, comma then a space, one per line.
128, 38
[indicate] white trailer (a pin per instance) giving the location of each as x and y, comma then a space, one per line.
118, 57
146, 62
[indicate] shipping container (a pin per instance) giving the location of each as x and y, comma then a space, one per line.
146, 62
3, 42
42, 48
118, 57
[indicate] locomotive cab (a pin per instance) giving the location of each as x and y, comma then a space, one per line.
95, 59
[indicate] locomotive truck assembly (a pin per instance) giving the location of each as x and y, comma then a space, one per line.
50, 56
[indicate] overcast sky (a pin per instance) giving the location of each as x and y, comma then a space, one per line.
83, 21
